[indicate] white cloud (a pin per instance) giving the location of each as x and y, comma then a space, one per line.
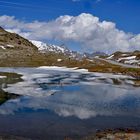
85, 29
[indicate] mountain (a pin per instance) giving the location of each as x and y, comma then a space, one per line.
12, 41
15, 50
13, 45
44, 47
48, 48
18, 51
92, 55
132, 58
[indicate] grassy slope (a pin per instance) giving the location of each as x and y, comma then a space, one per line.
15, 58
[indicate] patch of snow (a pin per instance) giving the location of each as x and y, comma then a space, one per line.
90, 60
130, 82
132, 61
11, 46
59, 48
75, 69
47, 47
2, 47
40, 45
124, 54
126, 58
59, 60
110, 57
1, 77
96, 56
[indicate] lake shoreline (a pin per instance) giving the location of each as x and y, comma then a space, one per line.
92, 65
103, 67
111, 134
108, 134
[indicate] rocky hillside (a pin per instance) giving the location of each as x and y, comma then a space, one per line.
18, 51
14, 48
132, 58
12, 41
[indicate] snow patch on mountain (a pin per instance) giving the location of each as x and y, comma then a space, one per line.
126, 58
131, 58
44, 47
4, 47
110, 57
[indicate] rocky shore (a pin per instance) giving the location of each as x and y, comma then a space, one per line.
116, 134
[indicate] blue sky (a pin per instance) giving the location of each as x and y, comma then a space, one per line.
124, 13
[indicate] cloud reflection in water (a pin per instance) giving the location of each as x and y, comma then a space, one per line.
70, 93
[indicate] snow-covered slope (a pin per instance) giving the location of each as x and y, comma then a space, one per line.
132, 58
44, 47
47, 47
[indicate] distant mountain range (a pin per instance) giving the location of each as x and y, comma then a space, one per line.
45, 48
12, 41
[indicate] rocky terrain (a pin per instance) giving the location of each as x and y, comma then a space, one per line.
10, 41
117, 134
18, 51
132, 58
14, 48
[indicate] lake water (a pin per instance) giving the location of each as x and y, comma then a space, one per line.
55, 103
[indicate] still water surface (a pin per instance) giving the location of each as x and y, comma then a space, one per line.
55, 103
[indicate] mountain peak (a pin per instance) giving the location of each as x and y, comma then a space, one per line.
45, 47
1, 28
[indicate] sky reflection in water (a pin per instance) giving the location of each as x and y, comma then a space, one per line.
69, 93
